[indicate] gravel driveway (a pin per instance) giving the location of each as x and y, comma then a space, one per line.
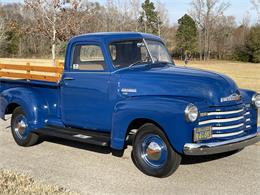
93, 170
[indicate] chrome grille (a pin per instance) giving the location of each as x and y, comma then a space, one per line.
226, 122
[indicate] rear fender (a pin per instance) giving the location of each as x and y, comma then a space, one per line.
167, 112
32, 103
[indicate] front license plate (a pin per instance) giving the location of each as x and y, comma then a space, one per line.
202, 133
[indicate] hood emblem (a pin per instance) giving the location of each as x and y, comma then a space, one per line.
128, 90
233, 97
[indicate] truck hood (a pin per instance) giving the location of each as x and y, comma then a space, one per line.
176, 81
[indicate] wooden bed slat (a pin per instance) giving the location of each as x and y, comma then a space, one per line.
32, 68
29, 76
58, 70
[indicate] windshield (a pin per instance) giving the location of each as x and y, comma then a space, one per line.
158, 51
138, 52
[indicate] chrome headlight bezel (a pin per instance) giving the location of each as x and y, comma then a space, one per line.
191, 113
256, 100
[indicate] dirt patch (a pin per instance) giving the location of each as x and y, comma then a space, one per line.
14, 183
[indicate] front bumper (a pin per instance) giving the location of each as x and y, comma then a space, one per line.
220, 147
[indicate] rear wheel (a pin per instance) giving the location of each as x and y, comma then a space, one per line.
153, 154
20, 129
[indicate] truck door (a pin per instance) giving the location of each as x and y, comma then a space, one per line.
85, 88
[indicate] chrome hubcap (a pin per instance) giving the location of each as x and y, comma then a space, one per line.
154, 151
20, 126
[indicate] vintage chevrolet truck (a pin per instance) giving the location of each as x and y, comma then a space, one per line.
120, 89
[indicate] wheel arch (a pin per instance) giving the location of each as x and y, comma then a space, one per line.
136, 124
11, 107
167, 113
30, 102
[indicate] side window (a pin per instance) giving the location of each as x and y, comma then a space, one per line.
88, 57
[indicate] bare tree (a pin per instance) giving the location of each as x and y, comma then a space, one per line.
206, 13
59, 20
46, 11
135, 6
256, 4
2, 31
163, 17
222, 41
121, 15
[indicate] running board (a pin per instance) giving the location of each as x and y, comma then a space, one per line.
85, 136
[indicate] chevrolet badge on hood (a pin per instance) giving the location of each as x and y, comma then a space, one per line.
233, 97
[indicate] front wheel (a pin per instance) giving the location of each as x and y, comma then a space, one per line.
153, 154
20, 129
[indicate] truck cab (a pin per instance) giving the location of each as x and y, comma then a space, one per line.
120, 89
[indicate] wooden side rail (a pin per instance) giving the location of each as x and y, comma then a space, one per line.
25, 72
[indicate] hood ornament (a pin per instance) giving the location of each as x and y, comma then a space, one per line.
232, 97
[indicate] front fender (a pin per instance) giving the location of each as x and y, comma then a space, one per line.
165, 111
31, 102
247, 95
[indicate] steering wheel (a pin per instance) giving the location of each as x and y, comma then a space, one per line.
155, 58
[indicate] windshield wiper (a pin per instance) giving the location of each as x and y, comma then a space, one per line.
166, 63
139, 62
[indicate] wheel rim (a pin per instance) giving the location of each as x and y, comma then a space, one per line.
20, 126
154, 151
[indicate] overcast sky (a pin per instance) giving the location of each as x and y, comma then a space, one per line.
177, 8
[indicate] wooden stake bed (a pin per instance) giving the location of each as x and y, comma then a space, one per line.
39, 72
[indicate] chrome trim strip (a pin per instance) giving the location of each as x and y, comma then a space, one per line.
220, 147
228, 127
226, 134
225, 112
221, 120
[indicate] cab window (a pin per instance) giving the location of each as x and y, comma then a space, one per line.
88, 57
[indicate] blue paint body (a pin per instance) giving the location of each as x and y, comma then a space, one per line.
94, 101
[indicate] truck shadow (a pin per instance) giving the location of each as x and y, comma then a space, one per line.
188, 160
76, 144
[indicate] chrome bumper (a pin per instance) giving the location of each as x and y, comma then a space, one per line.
220, 147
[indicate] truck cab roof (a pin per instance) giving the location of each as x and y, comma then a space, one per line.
112, 36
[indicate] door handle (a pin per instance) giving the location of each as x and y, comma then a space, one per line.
68, 78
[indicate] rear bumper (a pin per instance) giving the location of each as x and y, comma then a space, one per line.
220, 147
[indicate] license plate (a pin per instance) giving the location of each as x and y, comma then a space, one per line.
202, 133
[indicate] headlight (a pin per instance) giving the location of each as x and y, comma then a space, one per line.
256, 100
191, 113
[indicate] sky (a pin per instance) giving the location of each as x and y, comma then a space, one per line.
177, 8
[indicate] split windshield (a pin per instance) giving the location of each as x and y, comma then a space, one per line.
138, 52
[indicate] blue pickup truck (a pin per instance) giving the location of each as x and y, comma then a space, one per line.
121, 89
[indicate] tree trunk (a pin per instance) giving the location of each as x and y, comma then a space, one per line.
205, 45
53, 49
200, 45
20, 47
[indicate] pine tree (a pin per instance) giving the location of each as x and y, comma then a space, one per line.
187, 35
250, 51
254, 44
11, 44
149, 19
